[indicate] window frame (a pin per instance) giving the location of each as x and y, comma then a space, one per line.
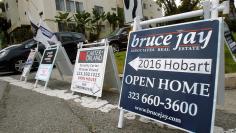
60, 6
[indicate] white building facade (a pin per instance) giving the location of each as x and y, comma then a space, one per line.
16, 11
150, 9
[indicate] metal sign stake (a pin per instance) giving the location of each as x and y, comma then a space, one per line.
36, 83
136, 27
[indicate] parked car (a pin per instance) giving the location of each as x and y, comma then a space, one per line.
13, 57
119, 39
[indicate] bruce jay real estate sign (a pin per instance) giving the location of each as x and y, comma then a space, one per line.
170, 74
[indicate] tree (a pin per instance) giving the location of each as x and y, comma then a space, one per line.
96, 22
82, 20
63, 18
171, 8
4, 36
120, 15
230, 19
112, 19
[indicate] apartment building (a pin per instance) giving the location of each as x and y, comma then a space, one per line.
16, 11
150, 9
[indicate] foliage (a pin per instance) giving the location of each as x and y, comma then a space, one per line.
64, 19
4, 36
120, 16
96, 22
112, 19
2, 40
17, 34
230, 65
171, 8
82, 20
231, 18
91, 22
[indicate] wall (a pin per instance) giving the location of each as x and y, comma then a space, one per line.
18, 17
12, 13
152, 10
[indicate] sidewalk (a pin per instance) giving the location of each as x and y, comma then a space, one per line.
57, 110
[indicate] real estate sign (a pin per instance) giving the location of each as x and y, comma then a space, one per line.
230, 41
171, 74
29, 62
89, 70
46, 65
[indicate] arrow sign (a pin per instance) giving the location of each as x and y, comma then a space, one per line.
202, 66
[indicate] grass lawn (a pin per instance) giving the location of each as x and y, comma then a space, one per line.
230, 65
120, 61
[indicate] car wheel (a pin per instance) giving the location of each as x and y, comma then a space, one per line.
115, 47
18, 65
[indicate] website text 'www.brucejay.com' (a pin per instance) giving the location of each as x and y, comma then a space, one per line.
158, 114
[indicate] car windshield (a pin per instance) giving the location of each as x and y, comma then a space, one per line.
29, 43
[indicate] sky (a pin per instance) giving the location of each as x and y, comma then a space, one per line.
235, 3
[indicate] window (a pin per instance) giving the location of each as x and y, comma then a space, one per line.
72, 27
60, 5
145, 18
70, 6
99, 9
66, 38
79, 6
113, 9
31, 44
64, 27
144, 6
77, 36
2, 7
7, 7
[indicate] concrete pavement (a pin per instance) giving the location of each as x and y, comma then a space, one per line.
24, 109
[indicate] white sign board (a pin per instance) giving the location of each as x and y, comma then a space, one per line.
89, 71
132, 9
46, 65
63, 62
112, 79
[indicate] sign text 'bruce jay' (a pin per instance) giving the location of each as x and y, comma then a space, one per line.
179, 40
